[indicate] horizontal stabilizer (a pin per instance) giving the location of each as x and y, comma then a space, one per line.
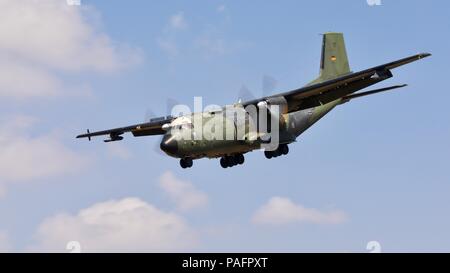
371, 92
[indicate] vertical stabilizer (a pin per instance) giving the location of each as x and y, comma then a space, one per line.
334, 61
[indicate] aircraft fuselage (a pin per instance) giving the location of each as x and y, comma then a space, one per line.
182, 143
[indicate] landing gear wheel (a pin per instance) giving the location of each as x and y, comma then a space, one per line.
231, 161
240, 159
277, 152
284, 149
268, 154
186, 162
223, 162
183, 164
189, 162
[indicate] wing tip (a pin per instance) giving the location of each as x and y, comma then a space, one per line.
88, 135
424, 55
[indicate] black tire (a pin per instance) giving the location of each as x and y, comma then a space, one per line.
223, 163
231, 161
284, 149
240, 159
268, 154
183, 164
188, 161
276, 153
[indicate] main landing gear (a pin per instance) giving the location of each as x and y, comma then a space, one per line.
233, 160
283, 149
186, 162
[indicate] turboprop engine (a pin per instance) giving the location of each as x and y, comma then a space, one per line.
274, 114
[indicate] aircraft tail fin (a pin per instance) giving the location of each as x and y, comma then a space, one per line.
334, 62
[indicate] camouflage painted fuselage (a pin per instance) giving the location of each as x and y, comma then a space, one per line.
183, 143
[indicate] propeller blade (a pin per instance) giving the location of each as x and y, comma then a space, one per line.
149, 114
156, 147
269, 85
245, 94
170, 104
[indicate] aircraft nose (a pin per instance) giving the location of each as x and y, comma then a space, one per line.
169, 144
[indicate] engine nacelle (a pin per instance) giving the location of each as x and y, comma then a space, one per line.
272, 116
268, 104
281, 102
113, 137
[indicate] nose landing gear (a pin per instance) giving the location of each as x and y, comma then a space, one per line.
186, 162
231, 161
283, 149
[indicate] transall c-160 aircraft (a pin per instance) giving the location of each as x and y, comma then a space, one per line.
285, 115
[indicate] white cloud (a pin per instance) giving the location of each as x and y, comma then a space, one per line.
55, 34
129, 224
281, 210
212, 43
21, 80
5, 245
168, 41
177, 21
182, 193
24, 157
41, 38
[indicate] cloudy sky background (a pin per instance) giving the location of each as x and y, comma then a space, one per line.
373, 169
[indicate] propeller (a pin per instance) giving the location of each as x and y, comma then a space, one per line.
170, 104
268, 87
149, 114
245, 94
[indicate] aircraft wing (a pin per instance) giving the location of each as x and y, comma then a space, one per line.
153, 127
330, 90
306, 97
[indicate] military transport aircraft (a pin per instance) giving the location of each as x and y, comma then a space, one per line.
300, 108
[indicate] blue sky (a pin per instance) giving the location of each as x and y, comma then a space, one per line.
380, 163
